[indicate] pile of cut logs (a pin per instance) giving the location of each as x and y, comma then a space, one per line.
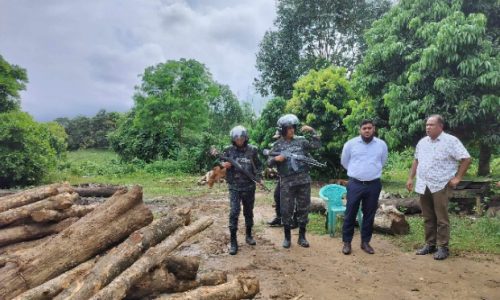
52, 248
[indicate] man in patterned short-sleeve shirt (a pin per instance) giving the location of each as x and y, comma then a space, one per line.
436, 158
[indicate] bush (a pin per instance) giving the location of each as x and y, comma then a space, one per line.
27, 150
399, 164
132, 141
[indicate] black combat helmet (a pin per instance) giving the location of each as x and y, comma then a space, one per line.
287, 121
237, 132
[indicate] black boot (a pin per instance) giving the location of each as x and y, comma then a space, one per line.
234, 243
427, 249
249, 239
441, 253
302, 237
288, 236
275, 222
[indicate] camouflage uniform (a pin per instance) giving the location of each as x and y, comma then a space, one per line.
295, 185
242, 188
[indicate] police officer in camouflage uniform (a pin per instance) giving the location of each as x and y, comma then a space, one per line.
295, 183
241, 187
277, 220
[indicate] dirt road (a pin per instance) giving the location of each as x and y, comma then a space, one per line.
323, 272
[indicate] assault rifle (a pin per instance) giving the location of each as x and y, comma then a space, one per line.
238, 167
294, 158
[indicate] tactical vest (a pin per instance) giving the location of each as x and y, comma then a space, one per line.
235, 178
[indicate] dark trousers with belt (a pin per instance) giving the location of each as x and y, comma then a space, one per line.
365, 193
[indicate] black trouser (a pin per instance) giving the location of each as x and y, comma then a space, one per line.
366, 193
296, 197
277, 197
236, 198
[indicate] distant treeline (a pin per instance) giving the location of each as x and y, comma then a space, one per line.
89, 132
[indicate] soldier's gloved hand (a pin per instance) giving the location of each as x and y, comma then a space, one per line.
306, 128
226, 165
280, 158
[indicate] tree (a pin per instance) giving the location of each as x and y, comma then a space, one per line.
80, 132
174, 94
312, 35
89, 132
430, 56
172, 108
323, 100
26, 149
12, 80
131, 141
249, 117
102, 124
224, 111
265, 126
58, 138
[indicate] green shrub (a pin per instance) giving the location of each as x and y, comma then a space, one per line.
27, 150
398, 164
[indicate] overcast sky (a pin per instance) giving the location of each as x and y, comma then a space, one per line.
84, 55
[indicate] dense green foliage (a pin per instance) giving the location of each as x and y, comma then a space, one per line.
179, 112
265, 127
175, 94
89, 132
435, 56
28, 150
12, 80
312, 35
224, 111
322, 99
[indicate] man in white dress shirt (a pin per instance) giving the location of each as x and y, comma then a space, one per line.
435, 165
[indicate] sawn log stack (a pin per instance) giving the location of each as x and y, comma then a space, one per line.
52, 248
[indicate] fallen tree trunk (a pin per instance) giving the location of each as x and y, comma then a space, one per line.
48, 215
183, 267
242, 287
389, 220
28, 196
124, 255
22, 246
21, 233
51, 288
162, 281
61, 201
405, 205
4, 193
97, 191
153, 257
110, 223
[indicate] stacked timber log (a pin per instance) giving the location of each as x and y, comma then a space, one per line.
388, 219
112, 250
38, 212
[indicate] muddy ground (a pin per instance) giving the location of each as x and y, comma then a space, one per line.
322, 271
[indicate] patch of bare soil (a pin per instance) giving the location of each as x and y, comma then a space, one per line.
323, 272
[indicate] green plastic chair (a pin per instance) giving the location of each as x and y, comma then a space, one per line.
332, 194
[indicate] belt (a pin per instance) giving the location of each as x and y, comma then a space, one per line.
364, 182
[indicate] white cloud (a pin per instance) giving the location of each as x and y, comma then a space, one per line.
84, 55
